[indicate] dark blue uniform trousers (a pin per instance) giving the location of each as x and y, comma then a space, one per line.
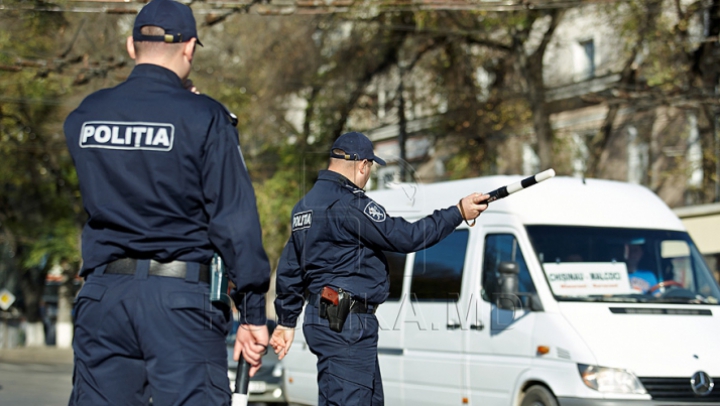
348, 369
138, 336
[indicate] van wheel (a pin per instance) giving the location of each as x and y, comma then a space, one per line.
538, 396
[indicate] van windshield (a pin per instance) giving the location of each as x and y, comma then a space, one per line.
626, 265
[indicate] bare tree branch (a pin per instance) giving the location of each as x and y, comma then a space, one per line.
67, 50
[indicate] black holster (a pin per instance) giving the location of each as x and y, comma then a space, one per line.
334, 313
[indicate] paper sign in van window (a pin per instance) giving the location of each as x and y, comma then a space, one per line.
586, 278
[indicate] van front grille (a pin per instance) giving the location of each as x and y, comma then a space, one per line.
679, 389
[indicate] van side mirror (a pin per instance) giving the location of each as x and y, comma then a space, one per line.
534, 303
508, 277
508, 285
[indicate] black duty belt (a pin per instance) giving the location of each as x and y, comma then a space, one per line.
174, 269
356, 306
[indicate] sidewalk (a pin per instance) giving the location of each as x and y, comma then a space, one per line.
36, 355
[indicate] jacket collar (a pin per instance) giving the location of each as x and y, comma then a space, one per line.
156, 73
335, 177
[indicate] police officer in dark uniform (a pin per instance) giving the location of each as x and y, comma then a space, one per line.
165, 187
335, 254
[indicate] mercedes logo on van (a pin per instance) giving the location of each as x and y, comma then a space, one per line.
702, 384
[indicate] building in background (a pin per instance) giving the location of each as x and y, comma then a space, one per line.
703, 223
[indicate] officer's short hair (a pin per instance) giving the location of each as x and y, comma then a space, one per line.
145, 47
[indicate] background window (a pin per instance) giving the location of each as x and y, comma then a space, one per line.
589, 50
583, 54
437, 271
396, 270
499, 248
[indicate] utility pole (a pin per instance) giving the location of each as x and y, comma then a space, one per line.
402, 134
717, 160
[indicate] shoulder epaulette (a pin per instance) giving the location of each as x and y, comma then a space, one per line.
230, 115
233, 118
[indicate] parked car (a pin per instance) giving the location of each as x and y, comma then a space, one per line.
266, 387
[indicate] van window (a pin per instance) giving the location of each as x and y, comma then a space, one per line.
652, 266
396, 270
500, 248
437, 271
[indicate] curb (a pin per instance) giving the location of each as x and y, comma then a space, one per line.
37, 355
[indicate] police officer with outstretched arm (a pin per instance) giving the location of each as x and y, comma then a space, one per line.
335, 254
165, 187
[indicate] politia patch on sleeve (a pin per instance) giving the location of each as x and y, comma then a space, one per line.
375, 212
302, 220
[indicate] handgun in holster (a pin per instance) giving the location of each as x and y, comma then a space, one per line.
334, 306
218, 282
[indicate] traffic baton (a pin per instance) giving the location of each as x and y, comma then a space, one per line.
242, 380
505, 191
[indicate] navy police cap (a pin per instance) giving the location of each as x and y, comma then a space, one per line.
175, 18
356, 147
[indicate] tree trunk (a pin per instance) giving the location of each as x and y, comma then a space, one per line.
402, 133
531, 67
707, 128
656, 157
64, 325
598, 150
32, 286
541, 118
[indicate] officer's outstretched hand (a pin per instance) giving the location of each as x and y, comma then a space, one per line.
251, 341
282, 339
471, 206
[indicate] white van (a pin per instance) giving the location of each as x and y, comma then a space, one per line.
540, 304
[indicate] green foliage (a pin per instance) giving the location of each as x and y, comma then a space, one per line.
275, 198
40, 214
56, 244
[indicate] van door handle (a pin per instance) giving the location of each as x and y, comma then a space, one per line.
453, 326
477, 327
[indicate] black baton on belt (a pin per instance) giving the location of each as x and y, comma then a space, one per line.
517, 186
242, 380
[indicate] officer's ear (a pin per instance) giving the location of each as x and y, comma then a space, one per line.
130, 44
364, 167
189, 49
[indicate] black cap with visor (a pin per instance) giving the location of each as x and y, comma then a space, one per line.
175, 18
356, 147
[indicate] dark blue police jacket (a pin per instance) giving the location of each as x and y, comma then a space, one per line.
162, 177
338, 237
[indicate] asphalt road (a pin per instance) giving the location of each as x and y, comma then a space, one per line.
35, 377
39, 376
35, 384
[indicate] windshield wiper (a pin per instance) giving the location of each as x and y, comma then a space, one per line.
684, 300
630, 298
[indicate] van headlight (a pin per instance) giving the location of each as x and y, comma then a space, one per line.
610, 380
